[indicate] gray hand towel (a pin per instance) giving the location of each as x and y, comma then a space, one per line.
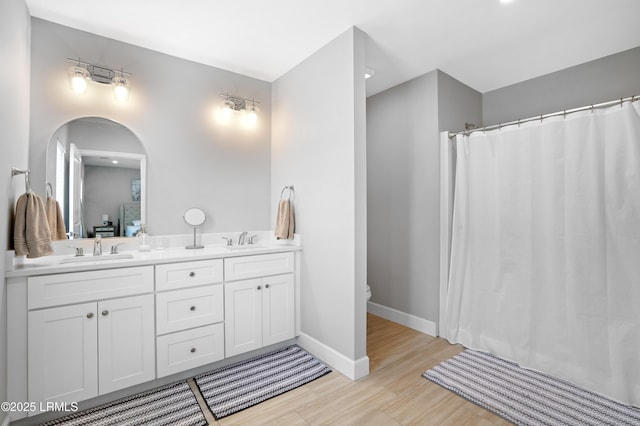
55, 220
284, 221
31, 236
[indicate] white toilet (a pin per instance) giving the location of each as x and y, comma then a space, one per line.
368, 292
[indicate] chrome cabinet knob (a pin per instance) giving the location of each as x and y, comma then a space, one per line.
105, 313
259, 288
193, 350
90, 315
266, 286
192, 274
193, 308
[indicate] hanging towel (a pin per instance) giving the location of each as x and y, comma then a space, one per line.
31, 236
55, 220
284, 221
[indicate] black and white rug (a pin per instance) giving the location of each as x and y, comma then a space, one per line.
526, 397
170, 405
238, 386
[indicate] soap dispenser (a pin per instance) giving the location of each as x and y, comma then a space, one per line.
144, 242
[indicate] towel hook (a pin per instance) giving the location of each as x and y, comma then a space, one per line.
16, 171
290, 195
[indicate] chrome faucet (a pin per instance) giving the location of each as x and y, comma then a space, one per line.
241, 238
97, 245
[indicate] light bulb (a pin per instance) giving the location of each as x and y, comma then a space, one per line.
227, 110
252, 117
121, 88
78, 79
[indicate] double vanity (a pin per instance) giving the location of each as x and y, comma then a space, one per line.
79, 329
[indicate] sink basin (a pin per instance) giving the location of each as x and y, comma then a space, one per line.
90, 258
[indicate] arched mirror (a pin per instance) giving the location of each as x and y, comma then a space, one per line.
96, 170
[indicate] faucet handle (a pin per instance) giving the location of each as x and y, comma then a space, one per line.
252, 239
79, 250
229, 241
114, 248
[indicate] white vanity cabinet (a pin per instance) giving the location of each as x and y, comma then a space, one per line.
259, 309
189, 315
75, 333
95, 345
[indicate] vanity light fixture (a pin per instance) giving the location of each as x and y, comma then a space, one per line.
83, 72
232, 104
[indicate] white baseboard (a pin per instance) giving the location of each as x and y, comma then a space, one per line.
419, 324
353, 369
5, 419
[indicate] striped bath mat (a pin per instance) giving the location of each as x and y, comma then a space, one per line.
243, 384
526, 397
169, 405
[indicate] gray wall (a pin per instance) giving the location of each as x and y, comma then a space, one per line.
403, 172
609, 78
318, 145
193, 160
15, 28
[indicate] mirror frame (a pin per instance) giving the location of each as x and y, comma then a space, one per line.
142, 157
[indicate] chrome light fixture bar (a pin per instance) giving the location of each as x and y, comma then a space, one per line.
82, 72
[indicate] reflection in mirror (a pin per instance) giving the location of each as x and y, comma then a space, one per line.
195, 218
96, 170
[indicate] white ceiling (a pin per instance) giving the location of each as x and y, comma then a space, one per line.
483, 43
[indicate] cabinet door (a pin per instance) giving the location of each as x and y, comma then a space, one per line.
63, 358
126, 342
243, 316
277, 309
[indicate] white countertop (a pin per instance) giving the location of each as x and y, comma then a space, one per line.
51, 264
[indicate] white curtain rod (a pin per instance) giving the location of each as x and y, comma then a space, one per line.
543, 116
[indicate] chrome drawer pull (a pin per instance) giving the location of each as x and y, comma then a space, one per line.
90, 315
193, 350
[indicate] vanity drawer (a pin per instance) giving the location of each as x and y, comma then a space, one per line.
243, 267
75, 287
189, 349
188, 308
185, 274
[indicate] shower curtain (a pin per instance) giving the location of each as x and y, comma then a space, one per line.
545, 248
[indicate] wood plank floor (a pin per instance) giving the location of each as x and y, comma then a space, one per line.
394, 393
